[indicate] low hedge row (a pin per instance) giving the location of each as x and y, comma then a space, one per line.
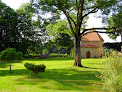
58, 55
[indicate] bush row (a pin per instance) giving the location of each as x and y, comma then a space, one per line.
46, 55
58, 55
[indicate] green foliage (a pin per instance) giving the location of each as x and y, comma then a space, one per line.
58, 28
11, 55
115, 20
58, 55
16, 28
19, 55
111, 76
72, 52
48, 45
35, 68
60, 33
45, 51
35, 47
64, 40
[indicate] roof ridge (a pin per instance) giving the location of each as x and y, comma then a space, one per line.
92, 37
101, 39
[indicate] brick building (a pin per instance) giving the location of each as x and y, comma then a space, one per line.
91, 45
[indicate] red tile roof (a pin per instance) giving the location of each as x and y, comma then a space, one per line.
92, 37
90, 45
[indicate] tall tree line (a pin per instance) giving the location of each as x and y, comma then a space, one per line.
16, 28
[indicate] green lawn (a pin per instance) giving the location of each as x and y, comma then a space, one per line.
59, 76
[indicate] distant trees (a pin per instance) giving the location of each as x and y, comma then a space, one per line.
8, 22
114, 46
16, 28
35, 47
60, 34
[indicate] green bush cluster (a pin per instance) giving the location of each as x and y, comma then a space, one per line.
35, 68
58, 55
111, 76
31, 55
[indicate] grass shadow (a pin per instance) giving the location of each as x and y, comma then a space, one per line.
4, 65
66, 79
90, 67
14, 72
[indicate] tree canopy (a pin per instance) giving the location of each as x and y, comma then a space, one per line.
115, 20
60, 33
16, 30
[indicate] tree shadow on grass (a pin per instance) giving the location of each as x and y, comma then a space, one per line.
4, 65
67, 74
71, 79
91, 67
14, 72
66, 79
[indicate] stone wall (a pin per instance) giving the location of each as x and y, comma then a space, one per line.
94, 52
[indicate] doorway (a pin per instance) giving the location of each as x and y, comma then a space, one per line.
88, 54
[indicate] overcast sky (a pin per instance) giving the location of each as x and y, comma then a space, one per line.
92, 21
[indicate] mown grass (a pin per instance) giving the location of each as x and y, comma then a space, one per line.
59, 76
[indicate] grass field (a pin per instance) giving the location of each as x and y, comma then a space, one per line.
59, 76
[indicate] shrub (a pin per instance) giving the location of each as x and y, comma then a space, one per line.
112, 72
45, 51
35, 68
19, 55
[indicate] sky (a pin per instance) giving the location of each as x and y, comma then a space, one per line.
92, 21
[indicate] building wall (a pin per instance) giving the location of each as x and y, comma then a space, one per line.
95, 52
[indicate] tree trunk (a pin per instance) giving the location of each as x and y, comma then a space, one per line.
77, 53
10, 68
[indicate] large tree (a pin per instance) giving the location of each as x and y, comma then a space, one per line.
80, 9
